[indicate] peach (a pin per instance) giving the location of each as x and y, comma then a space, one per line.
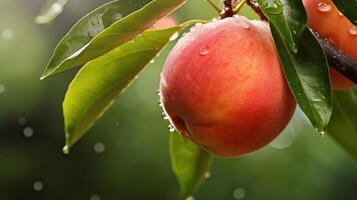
165, 22
325, 19
222, 87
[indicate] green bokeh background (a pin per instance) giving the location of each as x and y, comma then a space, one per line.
135, 164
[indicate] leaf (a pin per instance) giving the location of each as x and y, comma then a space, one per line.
288, 18
100, 81
189, 163
343, 125
106, 28
348, 8
50, 11
307, 75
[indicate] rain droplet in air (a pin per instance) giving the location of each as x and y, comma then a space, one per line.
353, 30
324, 7
22, 120
38, 186
95, 197
28, 132
239, 193
2, 88
207, 175
7, 34
204, 51
99, 147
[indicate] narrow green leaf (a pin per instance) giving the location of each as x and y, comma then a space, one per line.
288, 17
189, 163
50, 11
100, 81
307, 75
106, 28
348, 8
343, 125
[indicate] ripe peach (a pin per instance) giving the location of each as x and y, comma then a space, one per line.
222, 87
325, 19
165, 22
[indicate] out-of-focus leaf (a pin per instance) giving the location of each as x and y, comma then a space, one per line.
50, 11
288, 17
343, 125
307, 75
100, 81
348, 8
106, 28
189, 163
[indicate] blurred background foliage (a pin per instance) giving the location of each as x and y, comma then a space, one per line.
125, 155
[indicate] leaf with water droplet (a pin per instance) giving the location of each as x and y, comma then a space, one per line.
348, 8
100, 81
343, 126
307, 75
288, 18
105, 28
189, 162
50, 11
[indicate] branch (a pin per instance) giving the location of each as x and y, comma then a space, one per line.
227, 10
336, 58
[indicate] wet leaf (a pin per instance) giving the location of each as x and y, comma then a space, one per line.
105, 28
190, 163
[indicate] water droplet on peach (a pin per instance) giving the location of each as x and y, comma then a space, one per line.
324, 7
353, 30
204, 51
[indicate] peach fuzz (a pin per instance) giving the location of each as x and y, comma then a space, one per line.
325, 19
222, 87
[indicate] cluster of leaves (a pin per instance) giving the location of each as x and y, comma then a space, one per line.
112, 45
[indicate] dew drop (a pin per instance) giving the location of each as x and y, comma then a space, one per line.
99, 147
353, 30
324, 7
28, 132
171, 128
7, 34
174, 36
204, 51
239, 193
38, 186
2, 88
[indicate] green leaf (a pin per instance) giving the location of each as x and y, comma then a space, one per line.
348, 8
288, 17
307, 75
106, 28
189, 163
343, 125
100, 81
50, 11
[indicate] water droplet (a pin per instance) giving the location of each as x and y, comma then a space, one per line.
95, 197
204, 51
57, 8
324, 7
322, 133
274, 7
207, 175
38, 186
174, 36
245, 26
99, 147
65, 149
7, 34
171, 128
2, 88
190, 198
152, 61
164, 116
340, 14
353, 30
239, 193
22, 120
28, 132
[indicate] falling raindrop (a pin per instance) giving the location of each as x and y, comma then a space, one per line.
7, 34
207, 175
99, 147
353, 30
324, 7
174, 36
38, 186
204, 51
239, 193
2, 88
171, 128
28, 132
95, 197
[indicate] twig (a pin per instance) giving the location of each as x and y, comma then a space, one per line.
227, 10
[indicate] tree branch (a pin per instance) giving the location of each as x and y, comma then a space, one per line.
227, 10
